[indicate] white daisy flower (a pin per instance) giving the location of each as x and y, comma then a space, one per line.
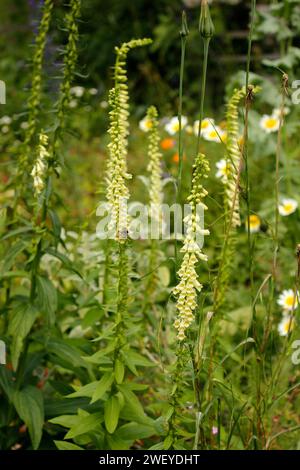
269, 123
5, 129
254, 223
206, 125
214, 135
73, 103
172, 127
287, 206
103, 104
189, 129
93, 91
6, 120
286, 325
145, 124
277, 112
223, 169
77, 91
24, 125
287, 300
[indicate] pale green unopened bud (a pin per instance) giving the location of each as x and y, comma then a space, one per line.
206, 26
184, 26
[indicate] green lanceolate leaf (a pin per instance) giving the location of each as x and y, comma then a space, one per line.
67, 263
22, 319
29, 405
103, 386
85, 423
68, 353
111, 413
61, 445
47, 298
85, 391
6, 382
119, 371
9, 259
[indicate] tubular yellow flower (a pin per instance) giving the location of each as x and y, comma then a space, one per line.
117, 192
186, 290
40, 166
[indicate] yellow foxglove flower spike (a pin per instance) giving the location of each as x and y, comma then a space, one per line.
186, 290
117, 192
39, 170
154, 166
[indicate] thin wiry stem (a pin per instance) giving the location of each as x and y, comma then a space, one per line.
203, 86
184, 33
247, 189
278, 156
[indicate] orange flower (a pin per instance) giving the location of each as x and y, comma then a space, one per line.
175, 157
167, 144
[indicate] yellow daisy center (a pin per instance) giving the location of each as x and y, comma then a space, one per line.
254, 221
225, 170
288, 326
271, 123
213, 134
288, 207
290, 301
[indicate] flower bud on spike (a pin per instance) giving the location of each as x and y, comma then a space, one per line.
206, 26
184, 26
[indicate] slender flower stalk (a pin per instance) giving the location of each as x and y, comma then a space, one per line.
245, 144
206, 29
69, 66
183, 34
284, 93
34, 100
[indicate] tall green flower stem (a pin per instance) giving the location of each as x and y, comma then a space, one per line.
173, 414
206, 29
155, 199
69, 67
34, 100
245, 147
188, 284
253, 329
183, 34
284, 93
